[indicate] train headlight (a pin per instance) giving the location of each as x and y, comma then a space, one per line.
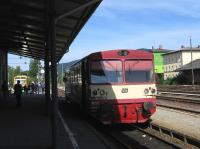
102, 92
94, 92
123, 53
146, 91
153, 91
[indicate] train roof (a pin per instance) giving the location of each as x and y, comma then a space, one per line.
117, 54
114, 54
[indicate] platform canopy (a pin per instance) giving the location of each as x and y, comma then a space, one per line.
24, 25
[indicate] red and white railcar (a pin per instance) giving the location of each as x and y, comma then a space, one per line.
116, 86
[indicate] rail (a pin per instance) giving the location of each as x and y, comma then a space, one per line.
179, 101
162, 134
187, 88
185, 94
126, 136
186, 97
170, 136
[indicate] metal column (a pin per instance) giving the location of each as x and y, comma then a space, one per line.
46, 62
52, 32
3, 66
47, 82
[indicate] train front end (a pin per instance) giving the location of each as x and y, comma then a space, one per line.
122, 89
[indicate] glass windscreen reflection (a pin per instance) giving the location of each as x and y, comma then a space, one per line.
107, 71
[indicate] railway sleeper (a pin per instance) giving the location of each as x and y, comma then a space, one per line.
174, 134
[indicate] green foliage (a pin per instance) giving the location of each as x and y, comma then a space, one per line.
31, 73
159, 78
25, 73
178, 80
169, 81
12, 72
60, 79
33, 70
17, 70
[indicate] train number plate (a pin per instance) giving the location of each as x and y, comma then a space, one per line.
124, 90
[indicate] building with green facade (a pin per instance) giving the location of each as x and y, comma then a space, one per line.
158, 59
158, 62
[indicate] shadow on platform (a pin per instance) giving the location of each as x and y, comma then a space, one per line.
25, 127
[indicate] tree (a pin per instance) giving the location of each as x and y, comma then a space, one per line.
11, 75
60, 79
18, 70
33, 69
26, 72
12, 72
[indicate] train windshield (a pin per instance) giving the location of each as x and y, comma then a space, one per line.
138, 71
106, 71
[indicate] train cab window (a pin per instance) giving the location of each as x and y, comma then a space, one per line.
106, 71
138, 71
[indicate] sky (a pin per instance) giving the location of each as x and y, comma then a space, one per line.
132, 24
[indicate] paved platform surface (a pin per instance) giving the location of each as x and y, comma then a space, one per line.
182, 122
29, 127
25, 127
84, 134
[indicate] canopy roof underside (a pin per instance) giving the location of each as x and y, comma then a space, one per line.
24, 27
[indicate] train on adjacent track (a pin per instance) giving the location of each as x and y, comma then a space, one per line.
115, 86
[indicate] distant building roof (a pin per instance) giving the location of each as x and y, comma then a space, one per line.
161, 50
184, 49
196, 65
155, 50
145, 49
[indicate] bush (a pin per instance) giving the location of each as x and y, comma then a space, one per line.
178, 80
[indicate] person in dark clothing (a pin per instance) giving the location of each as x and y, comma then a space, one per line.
32, 88
26, 89
18, 92
5, 90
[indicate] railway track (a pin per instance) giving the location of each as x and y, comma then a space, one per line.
176, 139
133, 137
179, 109
179, 88
179, 101
186, 97
136, 139
129, 137
151, 136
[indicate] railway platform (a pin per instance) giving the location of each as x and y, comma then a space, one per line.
29, 127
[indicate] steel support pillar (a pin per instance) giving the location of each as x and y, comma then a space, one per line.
3, 66
47, 82
46, 62
52, 32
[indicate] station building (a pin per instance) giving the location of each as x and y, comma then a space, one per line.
186, 71
159, 62
175, 60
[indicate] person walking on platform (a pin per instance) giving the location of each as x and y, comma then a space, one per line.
25, 89
18, 92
